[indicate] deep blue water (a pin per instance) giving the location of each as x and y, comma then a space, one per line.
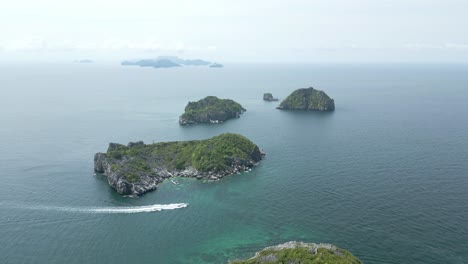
384, 176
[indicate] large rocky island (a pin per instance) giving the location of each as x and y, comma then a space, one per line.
210, 109
308, 99
138, 168
301, 253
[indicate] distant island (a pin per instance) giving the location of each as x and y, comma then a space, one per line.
308, 99
210, 109
298, 252
83, 61
166, 62
269, 97
216, 65
138, 168
160, 63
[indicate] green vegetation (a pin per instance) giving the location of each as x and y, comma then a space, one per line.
308, 99
218, 153
302, 255
210, 108
215, 154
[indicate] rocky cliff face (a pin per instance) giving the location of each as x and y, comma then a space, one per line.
211, 109
138, 168
119, 181
298, 252
308, 99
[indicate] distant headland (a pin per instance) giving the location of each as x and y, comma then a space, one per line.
169, 62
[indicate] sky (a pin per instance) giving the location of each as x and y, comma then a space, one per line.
252, 31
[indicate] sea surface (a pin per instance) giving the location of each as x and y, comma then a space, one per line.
384, 176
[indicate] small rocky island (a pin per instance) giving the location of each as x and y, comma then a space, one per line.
308, 99
298, 252
216, 65
138, 168
210, 109
269, 97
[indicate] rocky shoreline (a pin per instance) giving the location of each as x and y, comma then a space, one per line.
150, 182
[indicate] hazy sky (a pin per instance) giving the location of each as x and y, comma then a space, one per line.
236, 31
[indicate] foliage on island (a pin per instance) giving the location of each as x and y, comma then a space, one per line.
301, 253
211, 155
210, 109
308, 99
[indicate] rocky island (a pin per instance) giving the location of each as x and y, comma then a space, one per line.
308, 99
298, 252
216, 65
165, 62
269, 97
138, 168
210, 109
158, 63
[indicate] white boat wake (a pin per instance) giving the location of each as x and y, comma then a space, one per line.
115, 210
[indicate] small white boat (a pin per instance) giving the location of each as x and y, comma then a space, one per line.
174, 182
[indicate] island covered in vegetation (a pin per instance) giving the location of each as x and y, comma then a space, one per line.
301, 253
138, 168
157, 63
210, 109
308, 99
166, 62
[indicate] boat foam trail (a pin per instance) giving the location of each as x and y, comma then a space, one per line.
115, 210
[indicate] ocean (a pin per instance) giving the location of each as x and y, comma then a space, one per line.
384, 176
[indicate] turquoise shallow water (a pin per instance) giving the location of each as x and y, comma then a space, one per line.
384, 176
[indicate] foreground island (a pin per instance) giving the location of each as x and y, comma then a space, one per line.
210, 109
299, 252
138, 168
308, 99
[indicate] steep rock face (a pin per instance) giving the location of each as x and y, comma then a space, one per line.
308, 99
269, 97
298, 252
138, 168
211, 109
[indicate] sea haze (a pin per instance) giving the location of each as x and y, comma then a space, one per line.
384, 176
